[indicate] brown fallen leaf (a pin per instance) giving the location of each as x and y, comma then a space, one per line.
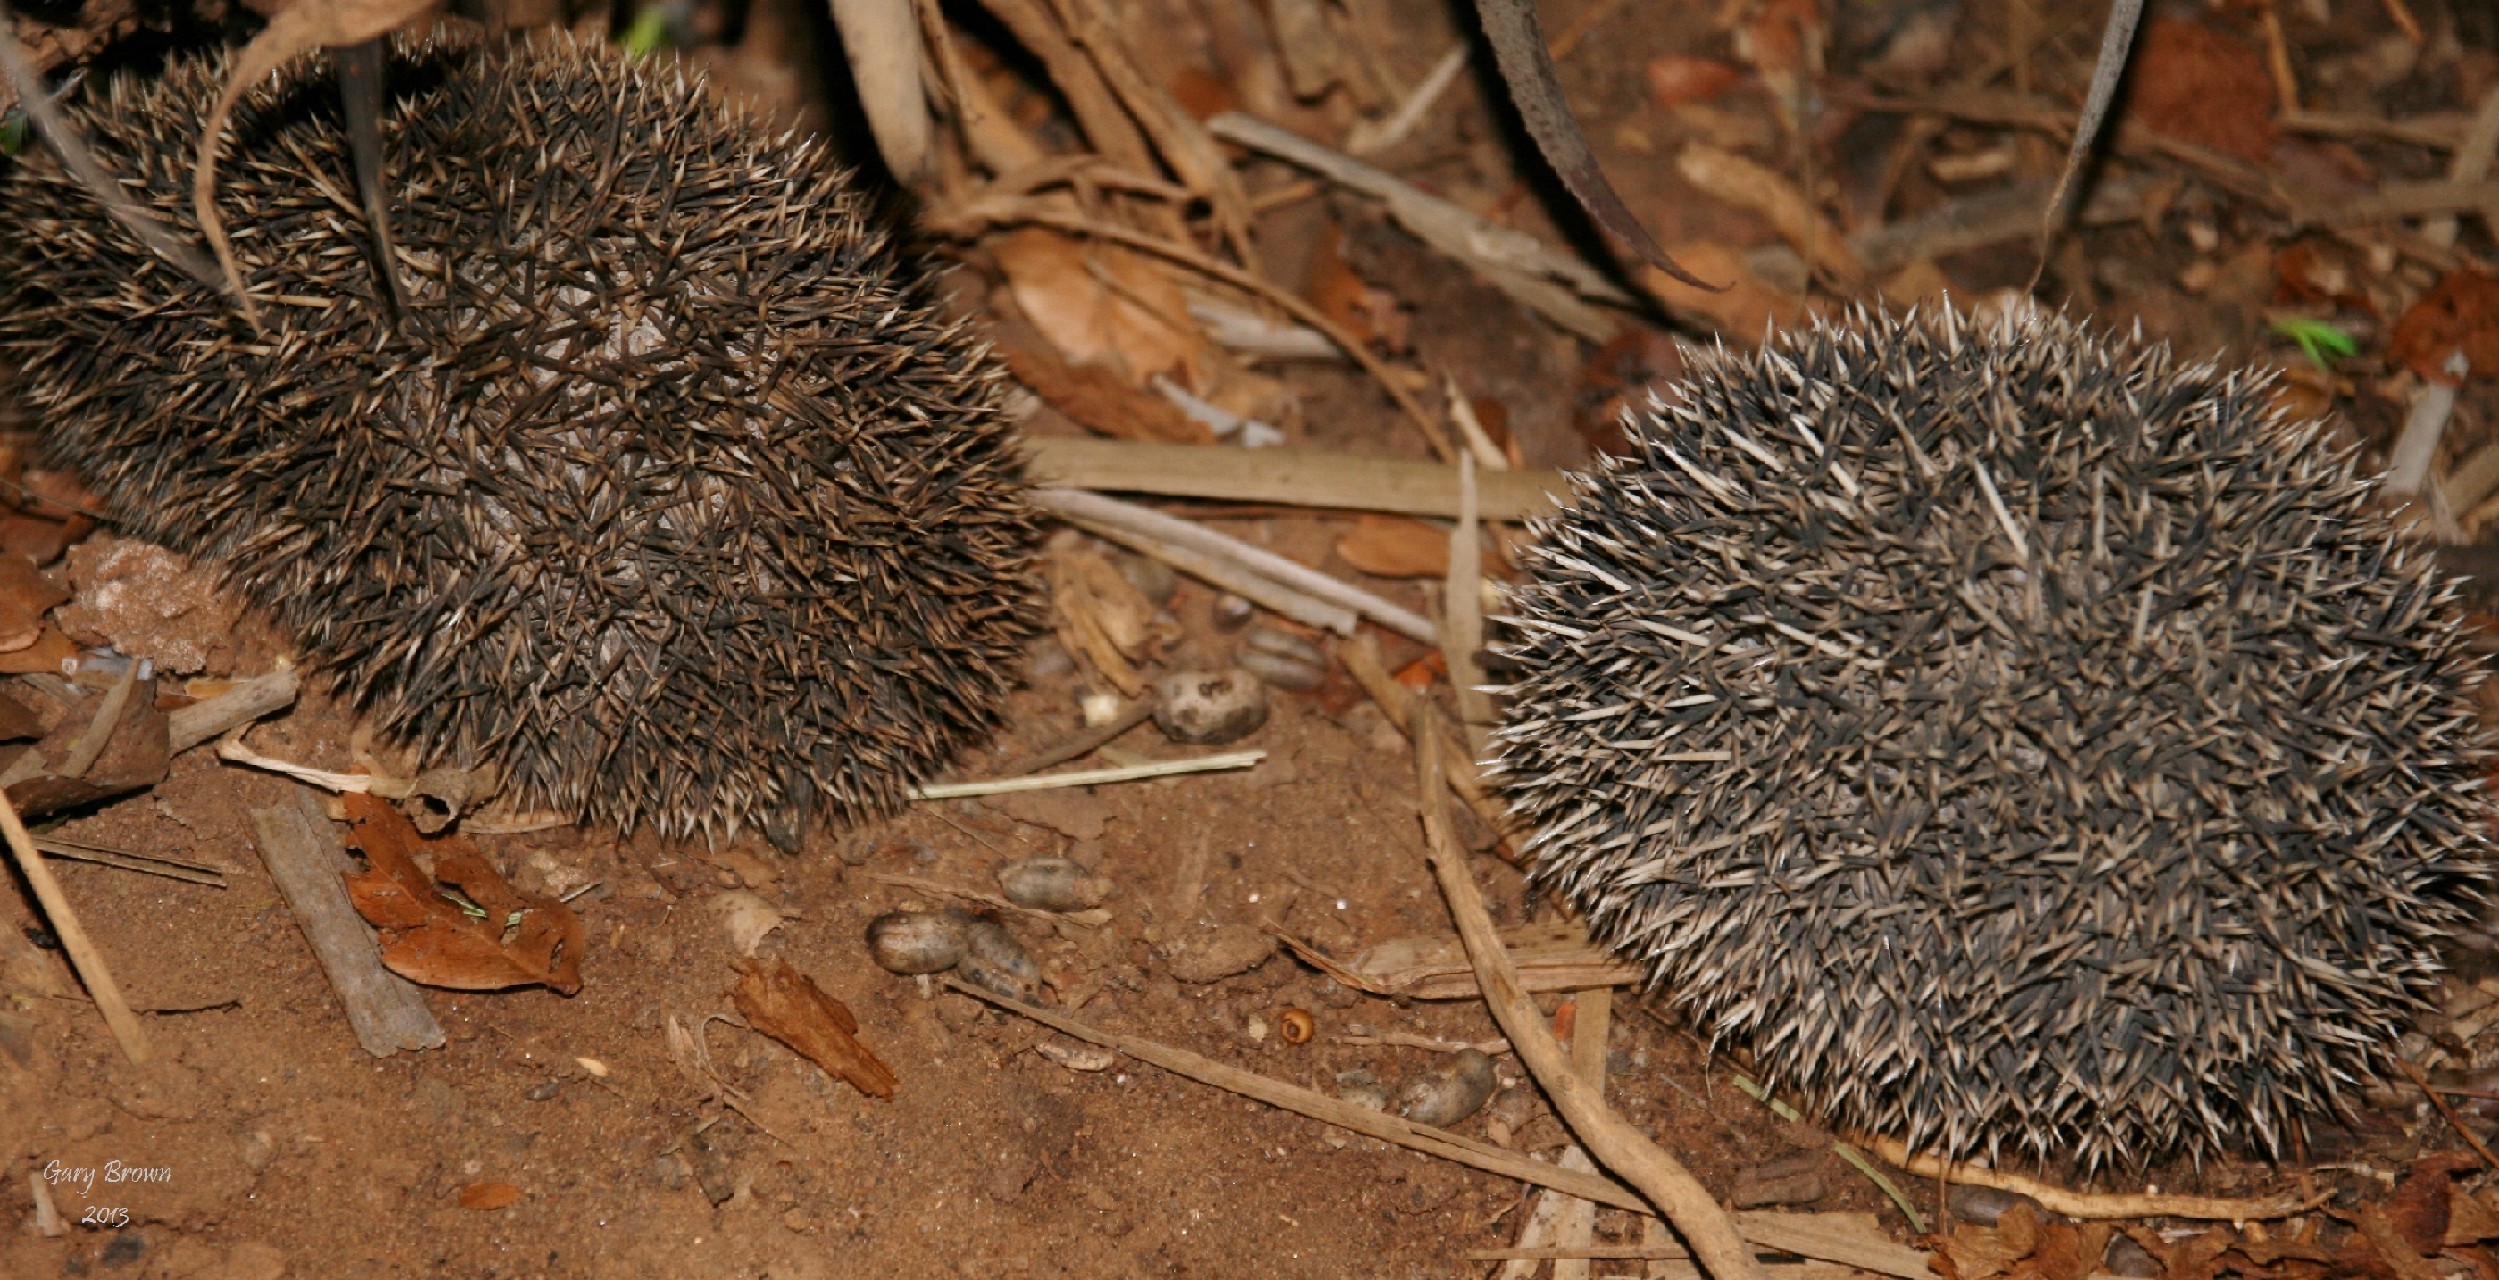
489, 1195
1395, 547
1678, 79
510, 939
137, 751
2422, 1201
2460, 313
45, 654
1743, 311
17, 723
1105, 622
2378, 1250
1748, 184
1098, 399
25, 596
1102, 305
2202, 85
788, 1006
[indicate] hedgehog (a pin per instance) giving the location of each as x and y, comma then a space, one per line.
2024, 740
670, 495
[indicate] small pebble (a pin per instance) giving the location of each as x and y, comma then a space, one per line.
994, 961
1212, 957
1209, 708
543, 1091
1052, 884
1789, 1180
1282, 659
917, 941
1984, 1205
1362, 1089
1151, 577
1233, 612
1077, 1057
1449, 1091
1256, 1029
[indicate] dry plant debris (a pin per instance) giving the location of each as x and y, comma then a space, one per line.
447, 917
787, 1005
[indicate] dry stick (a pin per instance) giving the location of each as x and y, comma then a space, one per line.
71, 149
1094, 509
301, 848
247, 701
1784, 1233
1716, 1244
1023, 213
1084, 743
99, 731
2454, 1121
1542, 278
1182, 141
2090, 1205
1336, 481
1096, 108
1462, 616
2470, 163
1361, 659
1219, 762
1266, 593
83, 955
2116, 41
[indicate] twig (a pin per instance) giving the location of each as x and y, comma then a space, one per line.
305, 858
2092, 1205
2439, 132
2116, 41
1095, 510
1084, 743
2470, 163
1368, 139
1462, 616
247, 701
2399, 200
83, 955
2454, 1121
1548, 281
2401, 15
980, 213
1361, 659
1090, 777
1773, 1231
99, 731
235, 751
1266, 593
2408, 464
1336, 481
143, 863
1663, 1181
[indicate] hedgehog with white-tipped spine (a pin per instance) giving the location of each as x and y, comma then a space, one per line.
2025, 741
669, 494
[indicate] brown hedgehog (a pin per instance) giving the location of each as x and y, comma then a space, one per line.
2023, 740
669, 494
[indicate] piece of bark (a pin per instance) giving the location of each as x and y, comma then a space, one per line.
307, 860
788, 1006
247, 701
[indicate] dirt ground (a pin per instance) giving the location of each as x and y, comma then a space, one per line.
264, 1142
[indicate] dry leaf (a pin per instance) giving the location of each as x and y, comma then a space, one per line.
1743, 312
512, 939
489, 1195
2378, 1250
47, 653
25, 596
2469, 1219
1739, 181
788, 1006
1097, 399
1102, 618
2202, 85
1395, 547
2418, 1209
2461, 313
1102, 305
1678, 79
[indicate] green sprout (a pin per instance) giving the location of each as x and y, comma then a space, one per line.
649, 32
2319, 340
13, 127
